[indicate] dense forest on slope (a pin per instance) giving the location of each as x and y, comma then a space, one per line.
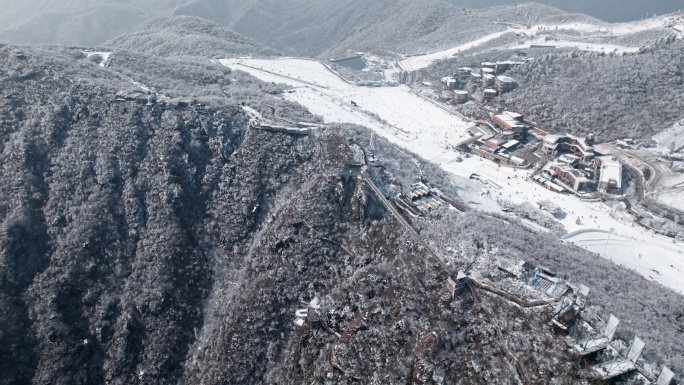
325, 28
332, 29
161, 241
612, 95
94, 22
646, 309
189, 36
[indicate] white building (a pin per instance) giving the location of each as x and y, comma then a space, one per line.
610, 175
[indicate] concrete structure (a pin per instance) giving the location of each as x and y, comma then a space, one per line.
482, 131
510, 145
598, 342
507, 120
460, 96
507, 134
489, 94
488, 80
503, 66
494, 154
610, 175
555, 144
511, 121
505, 83
495, 143
666, 376
620, 366
537, 133
449, 83
569, 159
568, 176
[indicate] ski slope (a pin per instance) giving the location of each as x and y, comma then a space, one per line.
422, 127
533, 33
580, 46
414, 63
398, 114
639, 255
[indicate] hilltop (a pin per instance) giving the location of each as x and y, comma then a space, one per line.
189, 36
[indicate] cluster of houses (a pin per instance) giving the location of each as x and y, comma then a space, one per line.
488, 77
497, 140
578, 167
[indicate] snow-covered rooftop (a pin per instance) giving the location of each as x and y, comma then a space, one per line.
611, 170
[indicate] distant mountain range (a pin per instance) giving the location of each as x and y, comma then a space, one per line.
189, 36
304, 27
607, 10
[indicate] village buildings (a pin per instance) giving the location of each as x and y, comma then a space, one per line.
576, 166
559, 144
610, 175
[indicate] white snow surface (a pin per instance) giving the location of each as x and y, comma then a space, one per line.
422, 61
428, 130
417, 62
104, 55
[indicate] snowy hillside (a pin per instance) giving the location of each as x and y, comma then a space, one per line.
423, 127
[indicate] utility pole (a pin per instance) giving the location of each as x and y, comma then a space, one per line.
607, 240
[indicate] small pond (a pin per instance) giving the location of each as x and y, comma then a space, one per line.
355, 63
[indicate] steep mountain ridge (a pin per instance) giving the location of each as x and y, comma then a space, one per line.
151, 236
94, 22
301, 27
161, 242
330, 29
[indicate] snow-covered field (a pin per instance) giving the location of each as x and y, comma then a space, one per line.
395, 112
426, 129
670, 187
657, 260
670, 190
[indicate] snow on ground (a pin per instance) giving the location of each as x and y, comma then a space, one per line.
617, 29
607, 48
670, 139
142, 86
299, 71
670, 189
422, 61
649, 256
397, 113
424, 128
104, 55
672, 198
